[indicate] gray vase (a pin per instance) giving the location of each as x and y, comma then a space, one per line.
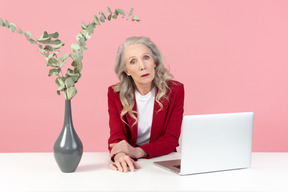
68, 148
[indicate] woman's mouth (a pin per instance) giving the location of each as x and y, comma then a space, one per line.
145, 75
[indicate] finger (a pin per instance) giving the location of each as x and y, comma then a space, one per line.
118, 165
130, 164
112, 144
124, 165
136, 165
113, 166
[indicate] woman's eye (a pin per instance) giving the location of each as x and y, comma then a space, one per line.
132, 61
146, 57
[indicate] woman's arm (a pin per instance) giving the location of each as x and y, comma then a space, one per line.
121, 152
124, 147
117, 132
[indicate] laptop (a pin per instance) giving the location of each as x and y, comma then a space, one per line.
213, 142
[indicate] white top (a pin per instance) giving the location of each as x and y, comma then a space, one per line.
145, 107
38, 172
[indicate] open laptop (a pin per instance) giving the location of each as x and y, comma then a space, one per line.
214, 142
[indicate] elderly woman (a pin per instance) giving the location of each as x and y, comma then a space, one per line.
145, 107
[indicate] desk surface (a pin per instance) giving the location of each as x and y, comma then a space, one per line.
39, 172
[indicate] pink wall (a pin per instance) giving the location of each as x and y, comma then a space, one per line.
231, 56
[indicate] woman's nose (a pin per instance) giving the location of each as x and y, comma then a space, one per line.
142, 65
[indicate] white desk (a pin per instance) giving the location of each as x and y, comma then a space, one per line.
39, 172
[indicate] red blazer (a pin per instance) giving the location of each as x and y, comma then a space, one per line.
166, 124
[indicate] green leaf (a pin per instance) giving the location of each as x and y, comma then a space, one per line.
121, 12
74, 74
32, 41
27, 35
109, 10
96, 20
79, 36
53, 35
49, 57
19, 31
115, 14
1, 22
102, 19
12, 27
83, 25
59, 81
44, 36
6, 24
53, 62
64, 57
69, 82
135, 18
63, 62
44, 41
54, 72
102, 14
41, 47
76, 48
90, 28
49, 41
48, 48
58, 46
77, 57
55, 42
109, 17
130, 13
77, 66
70, 93
86, 34
58, 92
42, 52
81, 41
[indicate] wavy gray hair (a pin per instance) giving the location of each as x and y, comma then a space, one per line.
126, 86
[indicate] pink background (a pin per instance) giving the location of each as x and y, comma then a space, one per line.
230, 55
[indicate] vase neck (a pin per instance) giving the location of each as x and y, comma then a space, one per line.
68, 113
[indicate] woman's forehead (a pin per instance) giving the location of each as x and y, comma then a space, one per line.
135, 50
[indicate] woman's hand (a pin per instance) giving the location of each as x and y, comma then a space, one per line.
124, 147
124, 162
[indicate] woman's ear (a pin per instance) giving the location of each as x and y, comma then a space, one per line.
127, 73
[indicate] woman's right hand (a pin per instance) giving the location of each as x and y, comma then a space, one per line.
124, 147
123, 163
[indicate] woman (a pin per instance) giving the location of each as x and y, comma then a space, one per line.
145, 107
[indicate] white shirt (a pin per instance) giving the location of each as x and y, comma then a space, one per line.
145, 108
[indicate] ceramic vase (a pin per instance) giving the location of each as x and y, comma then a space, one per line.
68, 148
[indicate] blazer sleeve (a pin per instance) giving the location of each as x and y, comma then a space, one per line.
117, 132
168, 141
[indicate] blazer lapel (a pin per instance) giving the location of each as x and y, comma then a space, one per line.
130, 121
157, 116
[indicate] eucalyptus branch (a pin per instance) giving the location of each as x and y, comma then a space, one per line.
49, 45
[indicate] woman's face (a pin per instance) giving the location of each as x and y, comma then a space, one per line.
140, 64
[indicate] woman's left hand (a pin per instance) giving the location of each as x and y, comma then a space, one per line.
124, 163
124, 147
